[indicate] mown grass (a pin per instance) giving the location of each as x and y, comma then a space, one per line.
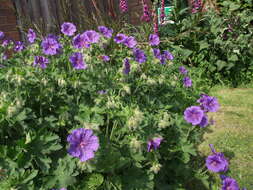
232, 133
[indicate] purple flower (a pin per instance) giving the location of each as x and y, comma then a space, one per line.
80, 41
19, 46
209, 103
204, 121
229, 184
40, 61
120, 38
187, 82
139, 55
6, 42
127, 66
157, 53
77, 61
183, 70
31, 35
168, 55
105, 58
4, 57
216, 162
68, 29
163, 60
123, 6
50, 45
154, 144
146, 17
83, 144
1, 35
130, 42
101, 92
105, 31
91, 36
193, 115
154, 40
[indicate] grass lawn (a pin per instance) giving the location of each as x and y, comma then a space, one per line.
232, 132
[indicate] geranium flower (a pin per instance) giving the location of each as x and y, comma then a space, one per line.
154, 40
193, 115
2, 35
209, 103
120, 38
31, 35
139, 55
19, 46
127, 66
80, 41
83, 144
91, 36
105, 31
68, 29
50, 45
40, 61
154, 144
216, 162
130, 42
183, 70
229, 184
187, 82
77, 61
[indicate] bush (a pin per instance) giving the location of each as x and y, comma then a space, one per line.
219, 45
134, 110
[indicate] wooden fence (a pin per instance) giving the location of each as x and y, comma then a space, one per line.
48, 15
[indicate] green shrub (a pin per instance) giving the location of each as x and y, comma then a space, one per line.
218, 45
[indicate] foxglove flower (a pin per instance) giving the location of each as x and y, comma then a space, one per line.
187, 82
123, 6
83, 144
196, 5
19, 46
146, 17
1, 35
162, 16
68, 29
127, 66
91, 36
80, 41
216, 162
40, 61
229, 184
120, 38
31, 35
183, 70
77, 61
168, 55
154, 39
209, 103
157, 53
130, 42
50, 45
193, 115
105, 31
154, 144
139, 55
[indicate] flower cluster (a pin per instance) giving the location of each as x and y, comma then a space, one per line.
187, 82
197, 115
128, 41
218, 163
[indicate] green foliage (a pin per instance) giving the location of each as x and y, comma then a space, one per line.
219, 45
